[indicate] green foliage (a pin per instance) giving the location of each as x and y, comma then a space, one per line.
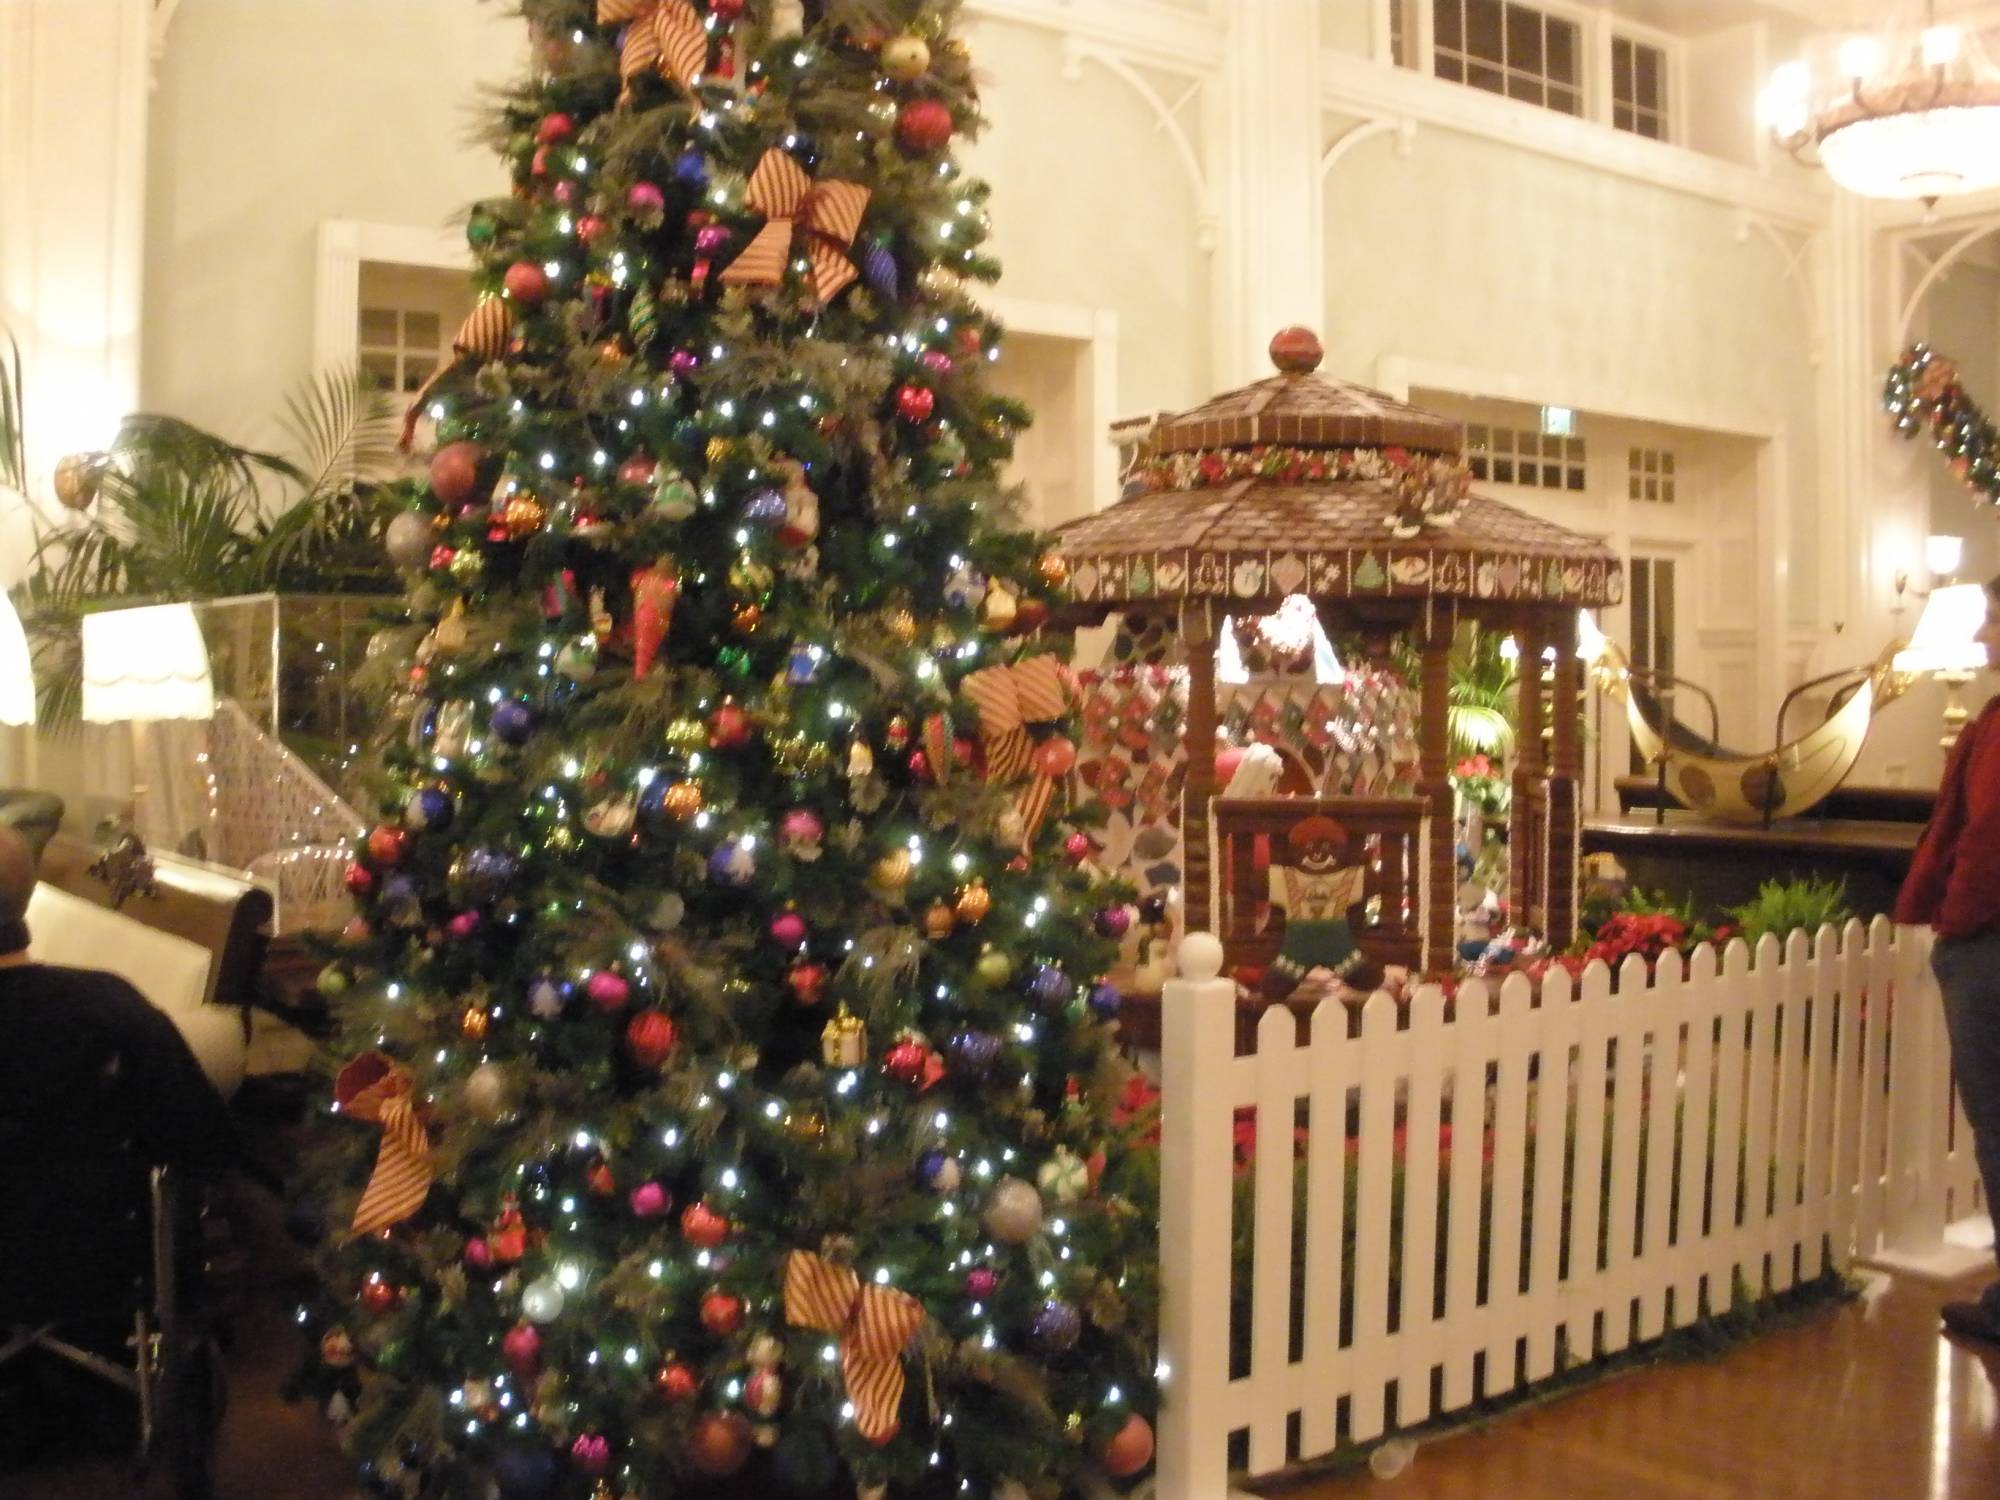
13, 439
1785, 906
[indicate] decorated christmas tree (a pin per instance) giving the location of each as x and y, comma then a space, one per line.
725, 1091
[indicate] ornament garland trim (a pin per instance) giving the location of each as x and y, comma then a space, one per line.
1924, 391
1429, 489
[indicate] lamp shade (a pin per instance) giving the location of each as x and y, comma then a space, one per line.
147, 663
1944, 637
17, 679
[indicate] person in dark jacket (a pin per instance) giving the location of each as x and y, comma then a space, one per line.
1954, 888
96, 1086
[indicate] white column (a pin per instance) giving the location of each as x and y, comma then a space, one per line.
1270, 263
73, 96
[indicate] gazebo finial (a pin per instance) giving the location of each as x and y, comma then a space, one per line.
1297, 350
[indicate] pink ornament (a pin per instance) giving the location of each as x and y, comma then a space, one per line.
683, 363
590, 1453
463, 925
1077, 846
788, 930
565, 193
645, 198
608, 991
728, 11
649, 1200
478, 1255
1114, 921
936, 361
801, 828
711, 239
981, 1283
555, 127
522, 1349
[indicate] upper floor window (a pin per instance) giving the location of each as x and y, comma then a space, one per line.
1509, 49
1546, 460
1638, 88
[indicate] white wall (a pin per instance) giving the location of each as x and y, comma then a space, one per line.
268, 119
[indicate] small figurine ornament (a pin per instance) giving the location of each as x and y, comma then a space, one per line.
1317, 890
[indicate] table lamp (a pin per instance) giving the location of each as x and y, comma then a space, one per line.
146, 664
1943, 647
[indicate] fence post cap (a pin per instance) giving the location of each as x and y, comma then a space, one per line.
1200, 956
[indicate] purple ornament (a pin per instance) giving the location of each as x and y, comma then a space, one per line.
981, 1282
732, 864
479, 875
879, 270
711, 239
973, 1053
788, 930
1056, 1328
936, 361
565, 193
766, 508
691, 169
645, 198
512, 722
398, 890
1114, 922
1048, 985
1105, 1000
683, 363
428, 809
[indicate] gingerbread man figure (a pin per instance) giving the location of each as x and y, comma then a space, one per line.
1317, 891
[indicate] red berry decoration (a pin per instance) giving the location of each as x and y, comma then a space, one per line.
526, 282
455, 472
722, 1313
608, 991
719, 1444
923, 125
703, 1227
388, 844
675, 1382
906, 1061
728, 728
649, 1038
914, 404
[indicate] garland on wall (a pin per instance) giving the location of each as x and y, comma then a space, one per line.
1924, 391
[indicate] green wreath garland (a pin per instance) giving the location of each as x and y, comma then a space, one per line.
1924, 391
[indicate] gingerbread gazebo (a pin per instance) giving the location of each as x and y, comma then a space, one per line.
1302, 485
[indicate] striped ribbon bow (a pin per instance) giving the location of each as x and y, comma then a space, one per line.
376, 1088
482, 336
873, 1323
661, 36
1009, 699
825, 216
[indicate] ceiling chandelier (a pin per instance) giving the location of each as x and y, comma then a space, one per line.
1910, 110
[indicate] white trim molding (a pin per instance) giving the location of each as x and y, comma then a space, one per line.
1144, 32
1116, 61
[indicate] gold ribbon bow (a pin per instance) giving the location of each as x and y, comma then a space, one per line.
376, 1088
826, 215
661, 36
482, 336
873, 1324
1009, 699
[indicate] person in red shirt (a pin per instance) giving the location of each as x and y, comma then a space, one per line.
1954, 887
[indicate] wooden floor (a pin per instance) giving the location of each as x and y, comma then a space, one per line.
1864, 1402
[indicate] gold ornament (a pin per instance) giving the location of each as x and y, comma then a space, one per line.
797, 755
999, 609
906, 58
467, 566
686, 735
939, 921
903, 626
844, 1042
682, 800
718, 450
939, 281
472, 1025
974, 902
807, 1124
523, 517
77, 478
745, 618
892, 872
1054, 568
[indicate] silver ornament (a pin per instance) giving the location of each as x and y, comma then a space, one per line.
486, 1092
408, 541
542, 1300
1013, 1212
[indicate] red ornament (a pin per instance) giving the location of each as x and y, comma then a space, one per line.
526, 282
649, 1038
555, 127
455, 472
728, 728
522, 1349
600, 1180
441, 556
967, 337
378, 1296
656, 588
808, 982
478, 1255
923, 125
360, 879
905, 1062
703, 1227
640, 469
1130, 1451
356, 931
676, 1382
1077, 846
729, 11
608, 991
722, 1313
591, 228
645, 198
719, 1444
1297, 351
914, 404
965, 752
538, 164
388, 844
509, 1239
1054, 757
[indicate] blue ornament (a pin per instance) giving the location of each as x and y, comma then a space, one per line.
879, 270
653, 803
768, 509
939, 1172
478, 875
525, 1470
691, 169
973, 1053
1048, 985
803, 665
428, 809
512, 722
733, 864
1056, 1328
1105, 1000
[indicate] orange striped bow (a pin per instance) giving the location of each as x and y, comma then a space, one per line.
377, 1088
661, 36
1009, 699
482, 336
873, 1323
826, 215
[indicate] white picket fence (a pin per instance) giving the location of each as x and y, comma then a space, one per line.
1580, 1158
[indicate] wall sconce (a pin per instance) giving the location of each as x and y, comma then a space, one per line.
1942, 555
